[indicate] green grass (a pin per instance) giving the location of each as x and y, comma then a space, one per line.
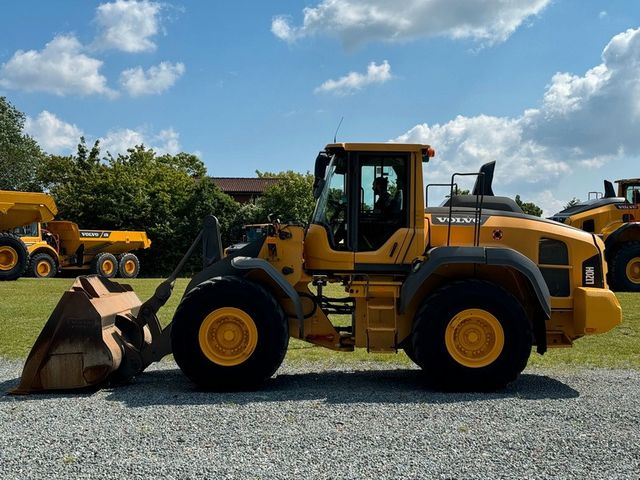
26, 304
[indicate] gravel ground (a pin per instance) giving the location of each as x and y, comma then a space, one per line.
364, 421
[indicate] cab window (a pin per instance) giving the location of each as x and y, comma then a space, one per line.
633, 194
382, 199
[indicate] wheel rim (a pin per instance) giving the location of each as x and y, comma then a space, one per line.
228, 336
129, 267
107, 267
8, 258
633, 270
43, 268
474, 338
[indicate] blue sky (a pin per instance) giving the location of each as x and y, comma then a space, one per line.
548, 88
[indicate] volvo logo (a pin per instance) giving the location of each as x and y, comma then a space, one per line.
458, 220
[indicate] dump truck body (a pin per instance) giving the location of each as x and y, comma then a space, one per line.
73, 248
18, 209
465, 294
616, 220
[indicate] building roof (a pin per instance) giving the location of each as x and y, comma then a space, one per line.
243, 185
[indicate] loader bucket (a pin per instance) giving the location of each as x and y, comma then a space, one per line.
87, 339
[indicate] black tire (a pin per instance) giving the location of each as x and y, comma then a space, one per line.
253, 300
128, 265
435, 325
408, 349
623, 268
14, 257
43, 265
105, 265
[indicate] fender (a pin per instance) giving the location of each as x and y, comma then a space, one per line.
249, 263
484, 256
241, 263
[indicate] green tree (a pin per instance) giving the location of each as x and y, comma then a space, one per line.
529, 208
572, 203
290, 199
19, 153
167, 196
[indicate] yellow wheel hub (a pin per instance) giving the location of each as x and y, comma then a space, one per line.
8, 258
474, 338
43, 268
633, 270
228, 336
129, 266
108, 267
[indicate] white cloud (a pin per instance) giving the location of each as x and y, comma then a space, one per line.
119, 140
603, 14
53, 134
359, 21
356, 81
583, 122
128, 25
60, 68
155, 80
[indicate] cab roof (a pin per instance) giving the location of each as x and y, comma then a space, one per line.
378, 147
629, 180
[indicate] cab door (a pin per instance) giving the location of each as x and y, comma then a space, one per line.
328, 243
381, 211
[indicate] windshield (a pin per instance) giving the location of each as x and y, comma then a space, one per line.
331, 207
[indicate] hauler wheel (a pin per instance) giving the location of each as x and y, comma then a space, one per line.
105, 264
128, 265
13, 257
43, 265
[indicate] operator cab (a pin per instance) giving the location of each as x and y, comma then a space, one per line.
363, 203
629, 189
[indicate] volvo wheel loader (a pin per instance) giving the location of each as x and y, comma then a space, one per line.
616, 219
16, 210
464, 290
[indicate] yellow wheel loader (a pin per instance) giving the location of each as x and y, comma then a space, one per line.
16, 210
465, 290
62, 245
615, 219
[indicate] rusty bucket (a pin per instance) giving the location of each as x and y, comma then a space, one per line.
92, 338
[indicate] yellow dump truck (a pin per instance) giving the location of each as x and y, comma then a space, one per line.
62, 245
16, 210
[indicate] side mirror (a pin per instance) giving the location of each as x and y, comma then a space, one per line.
322, 162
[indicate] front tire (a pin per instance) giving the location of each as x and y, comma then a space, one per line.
624, 268
43, 265
229, 334
13, 257
471, 335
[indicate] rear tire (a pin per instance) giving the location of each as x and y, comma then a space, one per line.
471, 335
14, 257
105, 264
43, 265
128, 265
624, 268
229, 334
